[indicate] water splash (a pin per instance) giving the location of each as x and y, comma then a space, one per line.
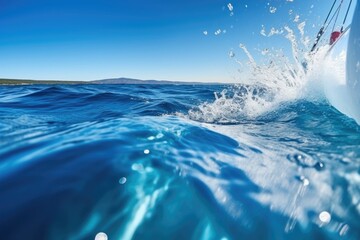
217, 32
272, 9
230, 7
277, 80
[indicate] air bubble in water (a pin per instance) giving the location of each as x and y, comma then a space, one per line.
122, 180
230, 7
159, 135
137, 167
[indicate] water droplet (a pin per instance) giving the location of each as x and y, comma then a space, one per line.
299, 157
297, 18
231, 54
272, 9
122, 180
344, 229
263, 31
302, 160
205, 33
325, 217
137, 167
217, 32
151, 138
160, 135
230, 7
345, 160
319, 166
146, 151
246, 5
305, 181
101, 236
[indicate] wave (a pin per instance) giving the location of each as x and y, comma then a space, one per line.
224, 175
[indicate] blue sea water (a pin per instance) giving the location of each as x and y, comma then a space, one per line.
162, 162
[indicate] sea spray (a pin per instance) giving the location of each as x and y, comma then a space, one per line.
276, 80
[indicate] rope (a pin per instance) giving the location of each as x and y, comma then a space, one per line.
347, 12
329, 12
327, 23
337, 15
321, 31
336, 12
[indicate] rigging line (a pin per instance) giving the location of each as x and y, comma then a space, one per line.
347, 12
337, 15
330, 12
336, 11
323, 28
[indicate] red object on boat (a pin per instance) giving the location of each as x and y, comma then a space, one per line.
334, 36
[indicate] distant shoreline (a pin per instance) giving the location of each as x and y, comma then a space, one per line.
4, 81
36, 82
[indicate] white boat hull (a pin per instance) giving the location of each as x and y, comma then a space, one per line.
353, 65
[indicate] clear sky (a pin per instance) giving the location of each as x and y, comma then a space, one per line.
158, 39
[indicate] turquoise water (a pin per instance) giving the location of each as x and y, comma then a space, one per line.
174, 162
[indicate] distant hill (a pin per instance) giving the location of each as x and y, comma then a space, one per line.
103, 81
30, 82
138, 81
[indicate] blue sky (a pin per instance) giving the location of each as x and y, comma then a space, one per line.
97, 39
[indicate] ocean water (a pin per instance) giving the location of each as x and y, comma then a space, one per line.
177, 162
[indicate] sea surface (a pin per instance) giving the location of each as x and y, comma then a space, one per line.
175, 162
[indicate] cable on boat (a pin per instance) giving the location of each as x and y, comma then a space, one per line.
334, 36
